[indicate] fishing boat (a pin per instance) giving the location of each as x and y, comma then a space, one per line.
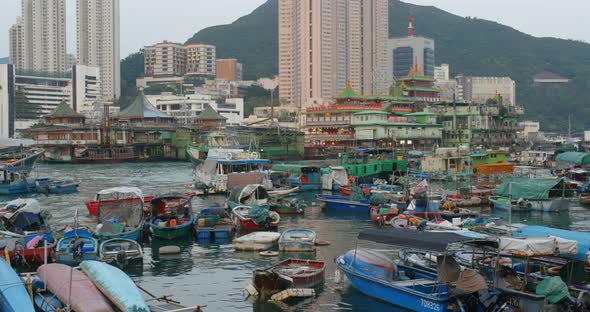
254, 195
377, 276
172, 216
121, 252
287, 206
528, 194
75, 246
115, 286
117, 217
341, 203
307, 178
13, 295
31, 249
366, 164
334, 177
215, 144
73, 288
53, 186
92, 206
289, 273
255, 218
297, 240
213, 223
257, 241
24, 215
226, 170
15, 168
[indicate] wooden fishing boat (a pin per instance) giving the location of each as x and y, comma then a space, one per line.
121, 252
75, 246
289, 273
287, 206
257, 241
297, 240
120, 218
341, 203
552, 205
13, 295
92, 206
73, 287
15, 170
255, 218
115, 285
172, 216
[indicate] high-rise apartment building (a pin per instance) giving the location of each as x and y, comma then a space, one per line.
98, 42
324, 44
38, 39
165, 59
481, 89
411, 52
200, 59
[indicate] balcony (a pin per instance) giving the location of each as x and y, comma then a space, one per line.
329, 122
329, 137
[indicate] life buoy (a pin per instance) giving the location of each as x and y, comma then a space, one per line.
229, 156
304, 179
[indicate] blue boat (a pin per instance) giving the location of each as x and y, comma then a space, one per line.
119, 215
75, 246
15, 168
115, 285
13, 295
53, 186
377, 276
342, 203
297, 240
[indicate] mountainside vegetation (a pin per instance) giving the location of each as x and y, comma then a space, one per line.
470, 46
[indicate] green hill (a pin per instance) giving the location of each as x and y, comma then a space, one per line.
471, 46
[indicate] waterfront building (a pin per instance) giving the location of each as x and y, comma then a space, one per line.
141, 110
228, 69
480, 89
324, 44
200, 59
38, 39
411, 52
98, 42
530, 129
210, 119
186, 108
165, 59
483, 125
411, 131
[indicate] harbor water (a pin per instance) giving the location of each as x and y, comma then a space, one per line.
215, 275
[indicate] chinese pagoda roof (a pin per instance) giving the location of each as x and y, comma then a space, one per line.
64, 110
348, 93
209, 114
141, 108
418, 88
414, 74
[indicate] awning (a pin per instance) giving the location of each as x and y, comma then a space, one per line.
533, 189
123, 190
424, 240
538, 246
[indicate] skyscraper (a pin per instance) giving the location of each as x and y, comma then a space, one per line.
98, 42
38, 39
323, 44
411, 52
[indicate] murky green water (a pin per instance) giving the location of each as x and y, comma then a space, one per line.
214, 274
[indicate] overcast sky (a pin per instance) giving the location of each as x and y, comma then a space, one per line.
144, 22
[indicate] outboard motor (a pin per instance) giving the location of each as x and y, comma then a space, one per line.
77, 250
121, 258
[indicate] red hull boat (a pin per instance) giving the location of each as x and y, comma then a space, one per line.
345, 189
243, 221
92, 206
289, 273
377, 216
34, 256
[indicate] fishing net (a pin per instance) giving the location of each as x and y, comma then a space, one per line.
553, 288
260, 214
356, 194
378, 199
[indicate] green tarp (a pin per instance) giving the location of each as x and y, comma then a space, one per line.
533, 189
572, 159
